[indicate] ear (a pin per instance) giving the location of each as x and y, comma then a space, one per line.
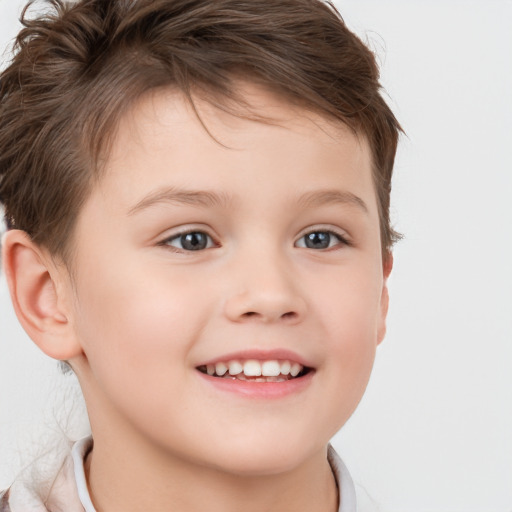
387, 266
40, 293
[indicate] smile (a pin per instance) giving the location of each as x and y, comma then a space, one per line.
253, 370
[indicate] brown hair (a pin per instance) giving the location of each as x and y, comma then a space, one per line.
81, 65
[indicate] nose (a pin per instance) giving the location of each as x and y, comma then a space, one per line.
264, 290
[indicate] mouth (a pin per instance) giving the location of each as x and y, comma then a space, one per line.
254, 370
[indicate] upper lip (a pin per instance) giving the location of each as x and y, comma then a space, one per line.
260, 355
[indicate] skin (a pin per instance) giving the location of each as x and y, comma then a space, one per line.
138, 312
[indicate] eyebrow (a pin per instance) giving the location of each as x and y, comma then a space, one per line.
208, 199
323, 197
203, 198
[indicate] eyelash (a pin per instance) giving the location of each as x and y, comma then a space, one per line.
342, 240
167, 242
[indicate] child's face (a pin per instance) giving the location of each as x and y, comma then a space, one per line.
287, 266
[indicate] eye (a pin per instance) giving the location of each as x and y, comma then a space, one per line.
190, 241
321, 240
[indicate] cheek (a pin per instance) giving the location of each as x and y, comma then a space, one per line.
137, 332
350, 305
135, 319
349, 314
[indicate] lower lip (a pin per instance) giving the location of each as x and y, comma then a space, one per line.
264, 390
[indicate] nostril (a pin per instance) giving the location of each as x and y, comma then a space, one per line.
290, 315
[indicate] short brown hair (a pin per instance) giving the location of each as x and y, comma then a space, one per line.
81, 65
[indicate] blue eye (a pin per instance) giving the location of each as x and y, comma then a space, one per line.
190, 241
320, 240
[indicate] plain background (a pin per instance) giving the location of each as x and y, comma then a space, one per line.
434, 430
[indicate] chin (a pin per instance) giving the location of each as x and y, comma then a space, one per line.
263, 455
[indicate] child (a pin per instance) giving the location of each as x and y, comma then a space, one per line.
197, 201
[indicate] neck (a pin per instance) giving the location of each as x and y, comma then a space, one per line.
137, 479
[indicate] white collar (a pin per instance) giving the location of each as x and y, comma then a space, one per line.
344, 481
79, 451
346, 489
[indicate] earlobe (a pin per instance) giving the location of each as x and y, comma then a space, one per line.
37, 295
387, 266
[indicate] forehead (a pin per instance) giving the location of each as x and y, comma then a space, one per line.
165, 140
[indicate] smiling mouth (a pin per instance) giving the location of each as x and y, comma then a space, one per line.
252, 370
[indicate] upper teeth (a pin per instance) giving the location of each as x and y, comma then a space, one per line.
255, 368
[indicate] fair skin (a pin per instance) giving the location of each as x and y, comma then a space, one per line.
287, 268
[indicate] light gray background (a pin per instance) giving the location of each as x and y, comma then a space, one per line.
434, 430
